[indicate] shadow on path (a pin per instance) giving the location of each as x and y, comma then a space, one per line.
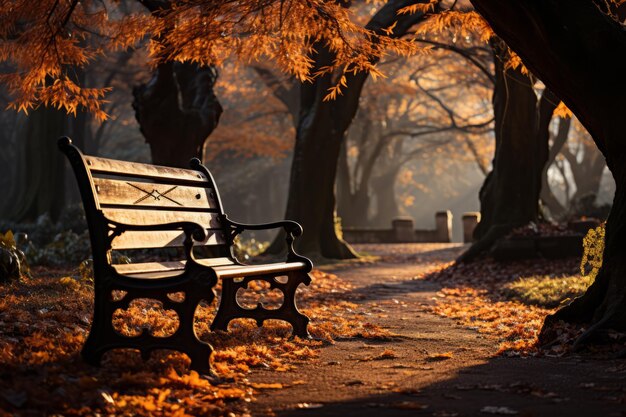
502, 386
436, 366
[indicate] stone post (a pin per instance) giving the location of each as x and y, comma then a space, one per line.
403, 229
443, 226
470, 221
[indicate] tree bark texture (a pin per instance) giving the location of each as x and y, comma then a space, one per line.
39, 185
587, 172
320, 133
577, 51
509, 197
311, 200
353, 201
177, 110
383, 187
557, 210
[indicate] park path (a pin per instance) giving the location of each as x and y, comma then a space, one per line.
418, 379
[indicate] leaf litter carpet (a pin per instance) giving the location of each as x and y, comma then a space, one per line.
402, 333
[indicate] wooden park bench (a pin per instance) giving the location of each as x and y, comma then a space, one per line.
141, 206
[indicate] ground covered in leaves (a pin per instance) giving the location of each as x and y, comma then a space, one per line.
509, 301
389, 330
44, 321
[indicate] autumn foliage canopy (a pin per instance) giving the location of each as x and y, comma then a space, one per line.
42, 43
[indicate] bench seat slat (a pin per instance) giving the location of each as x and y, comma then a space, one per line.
234, 271
150, 217
145, 194
145, 267
140, 170
223, 271
160, 239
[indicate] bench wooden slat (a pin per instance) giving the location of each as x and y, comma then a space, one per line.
155, 274
159, 239
146, 194
145, 267
223, 271
140, 170
234, 271
152, 217
129, 269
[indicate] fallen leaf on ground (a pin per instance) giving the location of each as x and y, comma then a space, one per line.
408, 391
266, 386
498, 410
408, 405
309, 405
353, 383
386, 354
439, 356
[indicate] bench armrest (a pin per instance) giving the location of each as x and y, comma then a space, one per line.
289, 225
292, 231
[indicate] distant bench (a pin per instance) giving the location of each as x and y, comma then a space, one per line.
141, 206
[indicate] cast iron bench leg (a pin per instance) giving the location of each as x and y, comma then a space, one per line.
103, 337
230, 309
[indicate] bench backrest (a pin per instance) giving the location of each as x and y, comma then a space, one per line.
145, 194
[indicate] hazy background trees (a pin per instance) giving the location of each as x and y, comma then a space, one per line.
422, 139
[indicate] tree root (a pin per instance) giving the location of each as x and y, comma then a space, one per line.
484, 244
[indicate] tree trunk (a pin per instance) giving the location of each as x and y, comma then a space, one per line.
311, 200
509, 197
604, 303
177, 110
557, 210
578, 52
384, 191
320, 132
39, 185
352, 204
311, 195
587, 173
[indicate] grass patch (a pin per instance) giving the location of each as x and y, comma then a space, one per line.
547, 291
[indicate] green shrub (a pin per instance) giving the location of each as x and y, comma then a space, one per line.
65, 248
244, 249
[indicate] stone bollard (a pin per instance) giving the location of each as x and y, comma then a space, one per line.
443, 226
470, 221
403, 229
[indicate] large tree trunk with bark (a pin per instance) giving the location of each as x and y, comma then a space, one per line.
587, 172
39, 185
577, 51
353, 197
311, 199
320, 132
384, 191
509, 197
549, 200
177, 110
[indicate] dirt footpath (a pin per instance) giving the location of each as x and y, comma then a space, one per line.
432, 366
